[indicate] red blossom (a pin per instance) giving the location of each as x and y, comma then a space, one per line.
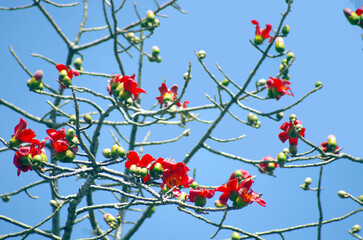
290, 133
194, 193
263, 32
143, 163
330, 145
23, 134
70, 72
58, 140
165, 93
359, 11
268, 166
130, 85
277, 88
245, 174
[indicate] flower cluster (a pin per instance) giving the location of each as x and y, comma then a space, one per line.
124, 87
31, 153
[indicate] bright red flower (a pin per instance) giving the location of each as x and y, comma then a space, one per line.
200, 192
175, 175
167, 95
143, 163
290, 133
268, 167
70, 72
359, 11
58, 140
229, 189
277, 88
130, 85
21, 134
263, 32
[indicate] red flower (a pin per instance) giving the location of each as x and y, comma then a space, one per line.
268, 167
359, 11
130, 85
175, 175
277, 88
261, 33
143, 163
290, 133
23, 166
239, 192
330, 145
199, 193
21, 134
167, 95
240, 174
70, 72
184, 105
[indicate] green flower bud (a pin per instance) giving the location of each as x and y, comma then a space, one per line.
308, 181
290, 56
110, 220
41, 86
261, 82
106, 153
133, 169
292, 118
78, 63
87, 118
143, 172
168, 98
15, 142
63, 74
70, 134
155, 51
200, 201
6, 198
270, 167
151, 59
318, 84
240, 203
156, 171
286, 152
130, 36
298, 127
279, 115
114, 152
136, 40
351, 16
284, 61
285, 76
37, 160
285, 30
281, 158
342, 194
238, 174
258, 40
279, 45
235, 236
252, 118
150, 16
70, 156
121, 151
360, 198
129, 102
194, 185
185, 76
67, 82
61, 155
72, 119
225, 82
293, 149
158, 59
218, 204
258, 124
156, 22
44, 157
356, 228
202, 54
331, 143
33, 83
53, 203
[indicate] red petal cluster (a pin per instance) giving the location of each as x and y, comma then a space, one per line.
143, 163
278, 88
288, 132
164, 90
264, 32
265, 165
23, 134
20, 158
129, 84
70, 72
194, 193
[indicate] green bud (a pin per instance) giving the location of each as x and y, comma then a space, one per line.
290, 56
143, 172
261, 82
292, 118
202, 54
284, 61
331, 143
70, 134
285, 76
61, 155
194, 185
130, 36
114, 152
136, 40
318, 84
151, 59
53, 203
133, 169
70, 156
67, 82
185, 76
218, 204
6, 198
168, 98
360, 198
156, 171
281, 158
200, 201
129, 102
258, 40
33, 83
285, 30
63, 74
87, 118
120, 151
225, 82
72, 119
37, 160
270, 167
252, 118
44, 157
238, 174
356, 228
308, 181
279, 115
235, 236
155, 51
351, 16
286, 152
150, 16
298, 127
106, 153
279, 45
293, 149
78, 63
240, 203
158, 59
41, 86
342, 194
258, 124
156, 22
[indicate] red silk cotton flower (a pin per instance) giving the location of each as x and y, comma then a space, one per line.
21, 134
167, 95
268, 166
65, 75
262, 33
290, 133
277, 88
127, 89
199, 196
143, 163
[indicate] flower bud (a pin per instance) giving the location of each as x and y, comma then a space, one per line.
155, 51
70, 156
202, 54
114, 152
158, 59
270, 167
351, 16
252, 118
150, 16
225, 82
110, 220
143, 172
15, 142
33, 83
200, 201
53, 203
106, 153
279, 45
72, 119
185, 76
356, 228
87, 118
308, 181
238, 174
285, 30
67, 82
44, 157
194, 185
130, 36
37, 160
240, 203
279, 115
78, 63
286, 152
218, 204
342, 194
258, 40
281, 158
133, 169
156, 22
70, 134
129, 102
258, 124
61, 155
261, 82
63, 74
298, 127
38, 75
6, 198
235, 236
41, 86
331, 143
292, 118
136, 40
290, 56
318, 84
293, 149
156, 171
360, 198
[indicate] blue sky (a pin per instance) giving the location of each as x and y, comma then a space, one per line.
326, 47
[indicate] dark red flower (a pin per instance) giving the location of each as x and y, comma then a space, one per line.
262, 32
290, 133
175, 175
200, 192
268, 166
330, 145
143, 163
21, 134
277, 88
21, 160
167, 95
70, 72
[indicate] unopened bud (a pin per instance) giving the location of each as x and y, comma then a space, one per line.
258, 40
252, 118
78, 63
200, 201
194, 185
72, 119
286, 151
261, 82
53, 203
218, 204
38, 75
106, 153
158, 59
70, 134
130, 36
143, 172
332, 142
356, 228
202, 54
225, 82
63, 74
281, 158
352, 17
150, 16
155, 51
279, 45
285, 30
342, 194
186, 76
87, 118
360, 198
292, 118
318, 84
6, 198
67, 82
235, 236
70, 156
308, 181
293, 149
290, 56
279, 115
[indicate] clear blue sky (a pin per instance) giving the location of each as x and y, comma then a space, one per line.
326, 47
